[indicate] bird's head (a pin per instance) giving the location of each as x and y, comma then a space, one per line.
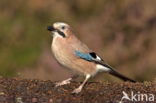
60, 29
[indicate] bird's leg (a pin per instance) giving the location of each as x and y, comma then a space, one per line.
77, 90
67, 81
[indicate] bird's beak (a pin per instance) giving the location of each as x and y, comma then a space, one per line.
51, 28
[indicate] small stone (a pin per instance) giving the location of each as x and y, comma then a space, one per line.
51, 100
34, 100
19, 100
2, 93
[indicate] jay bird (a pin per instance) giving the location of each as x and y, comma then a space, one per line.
71, 53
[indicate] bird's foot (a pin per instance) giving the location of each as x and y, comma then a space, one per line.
64, 82
77, 90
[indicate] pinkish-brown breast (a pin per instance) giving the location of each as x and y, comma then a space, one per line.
64, 49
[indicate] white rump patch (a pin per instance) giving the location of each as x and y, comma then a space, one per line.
102, 68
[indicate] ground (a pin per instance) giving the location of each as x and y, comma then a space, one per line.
15, 90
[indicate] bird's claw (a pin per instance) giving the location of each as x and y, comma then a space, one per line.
76, 91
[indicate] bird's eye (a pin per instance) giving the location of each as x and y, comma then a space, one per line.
63, 27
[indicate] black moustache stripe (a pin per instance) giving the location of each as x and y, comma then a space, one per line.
61, 33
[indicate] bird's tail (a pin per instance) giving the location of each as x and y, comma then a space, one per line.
116, 74
124, 78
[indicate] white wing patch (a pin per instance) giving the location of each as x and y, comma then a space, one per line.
95, 57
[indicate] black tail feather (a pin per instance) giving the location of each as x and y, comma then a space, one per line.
124, 78
115, 73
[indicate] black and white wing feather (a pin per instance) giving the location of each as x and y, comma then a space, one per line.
93, 57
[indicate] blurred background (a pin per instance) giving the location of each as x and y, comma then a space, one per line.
123, 32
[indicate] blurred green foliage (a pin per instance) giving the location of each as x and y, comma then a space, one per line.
19, 37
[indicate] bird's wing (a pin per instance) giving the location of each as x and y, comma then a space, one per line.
91, 56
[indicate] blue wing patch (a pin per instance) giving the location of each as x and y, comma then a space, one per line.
85, 56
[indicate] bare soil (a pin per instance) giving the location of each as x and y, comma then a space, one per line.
13, 90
